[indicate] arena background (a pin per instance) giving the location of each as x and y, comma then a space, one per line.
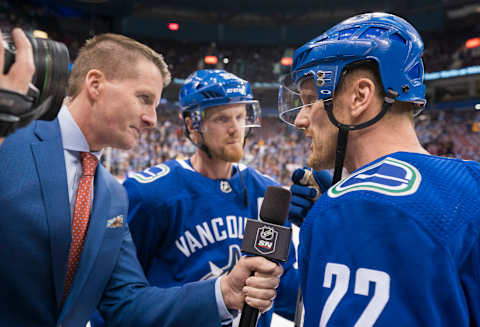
255, 39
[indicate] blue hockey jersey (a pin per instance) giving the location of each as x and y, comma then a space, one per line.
395, 244
188, 227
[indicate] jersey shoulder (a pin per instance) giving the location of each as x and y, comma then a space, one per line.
403, 174
440, 194
157, 182
256, 176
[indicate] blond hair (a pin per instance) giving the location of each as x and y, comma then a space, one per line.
112, 54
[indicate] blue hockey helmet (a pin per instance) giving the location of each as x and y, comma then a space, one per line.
389, 41
208, 88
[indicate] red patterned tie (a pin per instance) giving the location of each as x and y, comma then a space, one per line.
81, 215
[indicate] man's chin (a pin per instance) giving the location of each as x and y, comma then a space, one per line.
317, 163
127, 144
232, 156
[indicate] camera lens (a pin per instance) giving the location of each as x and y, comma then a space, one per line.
51, 73
51, 60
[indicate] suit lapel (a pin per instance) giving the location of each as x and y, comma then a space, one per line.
96, 230
50, 163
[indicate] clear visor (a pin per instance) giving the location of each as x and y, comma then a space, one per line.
254, 114
244, 114
293, 96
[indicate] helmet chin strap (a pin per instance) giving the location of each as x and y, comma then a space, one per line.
344, 129
203, 146
340, 154
247, 135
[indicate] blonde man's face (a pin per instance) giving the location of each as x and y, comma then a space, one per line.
127, 107
223, 129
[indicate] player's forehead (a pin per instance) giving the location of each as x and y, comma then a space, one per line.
227, 109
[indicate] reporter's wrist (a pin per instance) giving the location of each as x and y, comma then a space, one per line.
227, 293
225, 313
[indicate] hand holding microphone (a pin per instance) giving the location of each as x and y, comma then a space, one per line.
241, 286
267, 238
307, 188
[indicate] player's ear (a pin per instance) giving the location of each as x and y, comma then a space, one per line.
189, 126
362, 96
94, 83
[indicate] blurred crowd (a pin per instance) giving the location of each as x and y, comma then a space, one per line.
275, 149
450, 133
444, 49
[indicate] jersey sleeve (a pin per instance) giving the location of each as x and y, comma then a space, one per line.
146, 222
470, 276
286, 299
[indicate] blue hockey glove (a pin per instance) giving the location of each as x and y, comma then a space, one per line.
308, 186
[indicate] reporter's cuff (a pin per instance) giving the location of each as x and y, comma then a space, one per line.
226, 315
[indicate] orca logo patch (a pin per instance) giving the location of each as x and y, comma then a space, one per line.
151, 174
390, 176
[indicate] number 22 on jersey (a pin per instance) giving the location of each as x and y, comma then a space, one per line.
363, 277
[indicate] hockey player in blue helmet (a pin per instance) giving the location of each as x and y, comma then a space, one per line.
187, 217
395, 243
386, 45
213, 88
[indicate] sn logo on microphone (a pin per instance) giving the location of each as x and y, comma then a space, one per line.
266, 239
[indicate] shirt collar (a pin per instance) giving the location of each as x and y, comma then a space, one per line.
72, 136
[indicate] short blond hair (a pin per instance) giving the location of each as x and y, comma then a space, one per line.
113, 54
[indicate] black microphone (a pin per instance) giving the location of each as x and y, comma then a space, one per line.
267, 238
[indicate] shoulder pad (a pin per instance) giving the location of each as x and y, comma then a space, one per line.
260, 176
